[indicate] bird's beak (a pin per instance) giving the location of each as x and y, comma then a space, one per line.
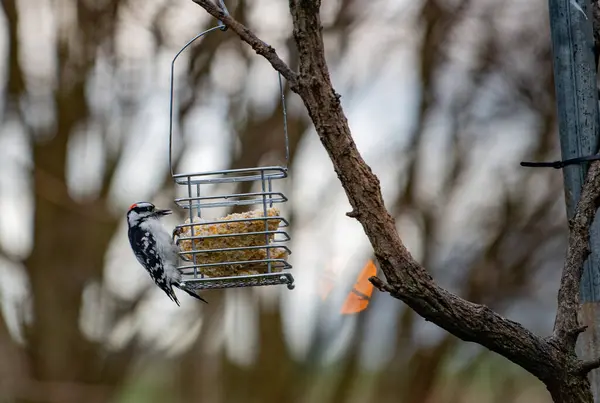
163, 212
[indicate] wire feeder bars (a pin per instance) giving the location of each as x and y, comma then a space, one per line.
240, 250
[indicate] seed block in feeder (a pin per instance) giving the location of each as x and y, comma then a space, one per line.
243, 240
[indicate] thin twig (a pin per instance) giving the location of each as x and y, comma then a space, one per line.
586, 366
381, 285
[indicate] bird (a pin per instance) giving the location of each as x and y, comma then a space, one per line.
155, 249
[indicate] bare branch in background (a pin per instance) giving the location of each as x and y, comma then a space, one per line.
12, 365
4, 254
408, 280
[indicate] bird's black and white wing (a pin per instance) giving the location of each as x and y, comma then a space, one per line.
146, 251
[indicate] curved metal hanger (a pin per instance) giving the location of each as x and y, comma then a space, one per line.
221, 27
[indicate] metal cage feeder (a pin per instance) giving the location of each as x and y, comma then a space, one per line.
240, 250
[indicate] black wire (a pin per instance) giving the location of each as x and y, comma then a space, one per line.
561, 164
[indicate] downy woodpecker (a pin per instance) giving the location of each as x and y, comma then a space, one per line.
154, 248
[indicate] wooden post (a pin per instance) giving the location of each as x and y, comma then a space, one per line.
577, 104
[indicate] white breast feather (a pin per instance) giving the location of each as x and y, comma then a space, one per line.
164, 243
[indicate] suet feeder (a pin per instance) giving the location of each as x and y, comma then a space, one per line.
245, 249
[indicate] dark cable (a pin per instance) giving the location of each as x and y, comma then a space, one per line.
561, 164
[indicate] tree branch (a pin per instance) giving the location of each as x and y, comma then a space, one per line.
566, 325
586, 366
476, 323
248, 36
407, 279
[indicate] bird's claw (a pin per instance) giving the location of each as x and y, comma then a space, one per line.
176, 232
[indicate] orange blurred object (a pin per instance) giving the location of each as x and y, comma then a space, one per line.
359, 297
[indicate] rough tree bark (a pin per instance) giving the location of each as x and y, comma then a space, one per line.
552, 359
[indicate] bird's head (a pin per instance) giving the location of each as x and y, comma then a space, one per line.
142, 211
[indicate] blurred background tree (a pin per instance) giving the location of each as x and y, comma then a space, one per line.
444, 98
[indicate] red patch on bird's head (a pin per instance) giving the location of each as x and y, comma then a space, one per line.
133, 206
